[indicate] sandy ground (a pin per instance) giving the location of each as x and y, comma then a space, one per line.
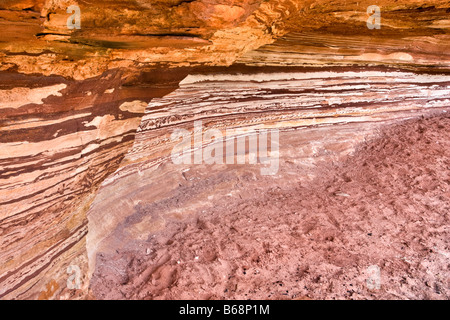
386, 206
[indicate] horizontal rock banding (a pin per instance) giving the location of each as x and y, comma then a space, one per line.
347, 105
234, 234
70, 101
415, 51
59, 140
265, 100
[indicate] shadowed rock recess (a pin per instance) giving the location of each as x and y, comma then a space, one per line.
93, 207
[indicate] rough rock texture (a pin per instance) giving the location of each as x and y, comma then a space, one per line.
59, 140
244, 101
134, 252
387, 205
71, 101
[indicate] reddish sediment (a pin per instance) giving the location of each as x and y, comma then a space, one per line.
386, 205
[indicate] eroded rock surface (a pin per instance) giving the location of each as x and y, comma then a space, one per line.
72, 100
289, 237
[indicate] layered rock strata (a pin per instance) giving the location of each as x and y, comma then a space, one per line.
322, 115
71, 101
59, 139
371, 225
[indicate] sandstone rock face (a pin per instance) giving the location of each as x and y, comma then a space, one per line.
316, 230
82, 107
58, 142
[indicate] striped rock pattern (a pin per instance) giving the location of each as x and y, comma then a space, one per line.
71, 100
59, 140
347, 104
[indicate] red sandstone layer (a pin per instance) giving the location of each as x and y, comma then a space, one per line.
71, 101
387, 205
